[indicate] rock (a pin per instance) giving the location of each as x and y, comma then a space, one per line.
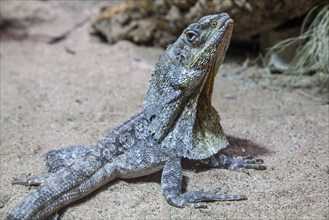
18, 14
160, 22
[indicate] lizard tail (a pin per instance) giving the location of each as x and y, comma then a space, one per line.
64, 187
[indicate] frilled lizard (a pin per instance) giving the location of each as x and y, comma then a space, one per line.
177, 121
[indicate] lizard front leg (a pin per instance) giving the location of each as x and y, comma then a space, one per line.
171, 182
241, 164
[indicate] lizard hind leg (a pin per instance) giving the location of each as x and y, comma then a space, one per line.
171, 184
57, 159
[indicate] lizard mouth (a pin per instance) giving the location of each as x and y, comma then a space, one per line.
223, 36
218, 47
217, 44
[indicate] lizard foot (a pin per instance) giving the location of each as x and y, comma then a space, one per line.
197, 199
32, 180
171, 182
242, 164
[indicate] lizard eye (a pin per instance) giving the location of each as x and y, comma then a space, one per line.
191, 36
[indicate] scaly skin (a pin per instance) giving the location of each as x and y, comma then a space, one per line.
177, 120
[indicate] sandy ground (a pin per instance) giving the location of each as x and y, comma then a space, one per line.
72, 92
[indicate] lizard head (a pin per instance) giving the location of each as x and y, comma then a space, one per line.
202, 47
180, 90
